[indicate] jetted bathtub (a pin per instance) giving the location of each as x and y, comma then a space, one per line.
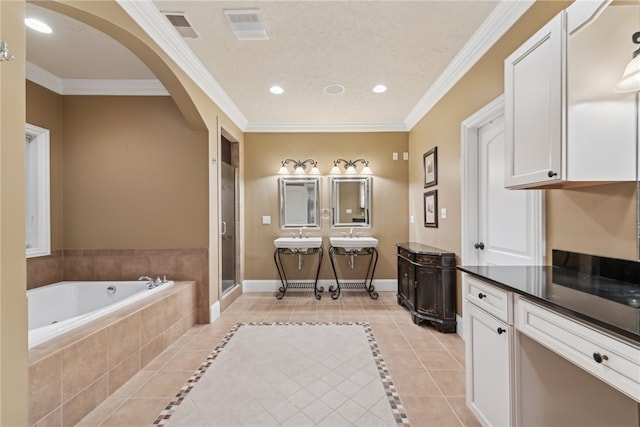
60, 307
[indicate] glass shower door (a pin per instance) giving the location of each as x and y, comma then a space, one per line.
228, 226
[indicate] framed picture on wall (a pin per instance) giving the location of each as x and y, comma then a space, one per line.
431, 209
430, 164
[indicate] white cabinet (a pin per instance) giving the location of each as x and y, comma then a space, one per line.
488, 354
533, 107
565, 124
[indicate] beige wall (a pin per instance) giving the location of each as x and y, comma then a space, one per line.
262, 156
132, 166
44, 109
598, 220
135, 175
13, 304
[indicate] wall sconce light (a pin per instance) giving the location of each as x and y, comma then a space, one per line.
4, 52
350, 166
631, 77
298, 167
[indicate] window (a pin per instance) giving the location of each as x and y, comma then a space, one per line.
38, 225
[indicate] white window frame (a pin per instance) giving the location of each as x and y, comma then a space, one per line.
37, 188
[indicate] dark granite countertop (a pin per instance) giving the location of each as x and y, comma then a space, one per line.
608, 304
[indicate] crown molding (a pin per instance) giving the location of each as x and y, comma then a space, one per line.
149, 18
504, 15
129, 87
43, 78
325, 127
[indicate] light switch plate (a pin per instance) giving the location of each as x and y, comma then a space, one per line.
405, 156
394, 156
443, 213
266, 219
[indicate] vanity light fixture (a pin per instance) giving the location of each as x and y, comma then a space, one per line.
299, 167
5, 55
631, 77
350, 167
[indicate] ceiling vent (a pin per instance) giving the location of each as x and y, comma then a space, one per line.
181, 23
246, 24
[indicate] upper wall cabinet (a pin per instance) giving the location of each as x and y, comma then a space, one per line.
565, 123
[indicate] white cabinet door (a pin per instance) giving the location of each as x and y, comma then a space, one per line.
488, 359
534, 113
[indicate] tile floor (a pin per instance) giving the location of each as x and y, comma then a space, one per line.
426, 366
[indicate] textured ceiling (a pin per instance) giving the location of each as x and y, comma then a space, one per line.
405, 45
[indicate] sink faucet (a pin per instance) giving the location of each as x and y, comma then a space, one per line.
351, 232
300, 232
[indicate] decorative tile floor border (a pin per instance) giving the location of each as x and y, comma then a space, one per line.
397, 409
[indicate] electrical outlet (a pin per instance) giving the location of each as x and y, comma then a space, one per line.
266, 219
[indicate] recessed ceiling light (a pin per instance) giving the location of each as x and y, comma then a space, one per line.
379, 88
334, 89
38, 25
276, 90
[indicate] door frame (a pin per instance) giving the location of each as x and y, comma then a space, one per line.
225, 300
469, 183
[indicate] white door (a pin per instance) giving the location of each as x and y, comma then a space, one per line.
500, 226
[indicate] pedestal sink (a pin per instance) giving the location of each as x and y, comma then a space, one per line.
298, 242
353, 243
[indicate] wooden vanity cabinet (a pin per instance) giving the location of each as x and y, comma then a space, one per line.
427, 284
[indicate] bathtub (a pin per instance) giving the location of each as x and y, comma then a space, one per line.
64, 306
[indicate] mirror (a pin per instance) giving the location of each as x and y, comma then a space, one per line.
351, 201
299, 202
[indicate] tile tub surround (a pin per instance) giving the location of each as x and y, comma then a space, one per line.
71, 375
44, 270
125, 264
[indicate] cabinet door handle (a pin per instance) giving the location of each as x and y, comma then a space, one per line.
481, 295
501, 330
599, 357
479, 246
551, 174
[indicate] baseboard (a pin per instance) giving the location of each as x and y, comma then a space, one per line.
214, 312
381, 285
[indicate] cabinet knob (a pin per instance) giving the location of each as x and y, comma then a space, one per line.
501, 330
551, 174
479, 245
599, 357
481, 295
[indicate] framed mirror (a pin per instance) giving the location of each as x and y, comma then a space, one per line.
299, 202
351, 201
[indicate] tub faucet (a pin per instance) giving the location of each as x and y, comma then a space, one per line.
149, 280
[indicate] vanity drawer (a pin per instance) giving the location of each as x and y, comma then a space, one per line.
491, 299
613, 361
